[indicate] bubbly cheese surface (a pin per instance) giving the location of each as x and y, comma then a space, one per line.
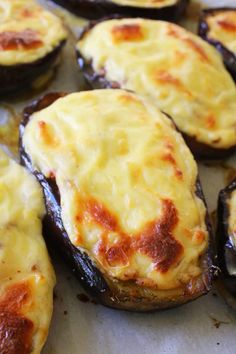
182, 74
222, 28
26, 275
127, 194
28, 32
232, 217
145, 3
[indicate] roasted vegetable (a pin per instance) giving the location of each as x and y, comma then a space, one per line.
182, 74
123, 206
226, 233
218, 27
26, 275
31, 39
166, 10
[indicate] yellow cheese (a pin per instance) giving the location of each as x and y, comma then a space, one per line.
22, 22
232, 218
145, 3
222, 28
26, 275
182, 74
127, 185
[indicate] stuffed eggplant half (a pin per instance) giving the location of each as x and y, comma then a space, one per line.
182, 74
31, 39
227, 237
218, 27
26, 275
164, 9
123, 206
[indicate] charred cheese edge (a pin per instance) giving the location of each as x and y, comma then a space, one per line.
146, 3
28, 32
232, 217
26, 275
127, 194
182, 74
222, 28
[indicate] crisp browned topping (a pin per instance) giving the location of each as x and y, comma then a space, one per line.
132, 32
170, 158
101, 215
197, 48
15, 329
210, 121
164, 77
27, 13
46, 135
175, 32
27, 39
227, 25
155, 240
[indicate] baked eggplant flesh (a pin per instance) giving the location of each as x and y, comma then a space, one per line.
170, 10
31, 39
227, 237
218, 27
123, 206
26, 275
182, 74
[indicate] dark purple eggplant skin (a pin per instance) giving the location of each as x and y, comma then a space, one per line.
118, 295
99, 8
224, 244
229, 57
16, 78
95, 80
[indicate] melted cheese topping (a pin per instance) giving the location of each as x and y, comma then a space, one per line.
27, 32
26, 275
232, 218
181, 73
222, 28
127, 195
145, 3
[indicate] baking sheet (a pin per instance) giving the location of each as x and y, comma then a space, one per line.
206, 325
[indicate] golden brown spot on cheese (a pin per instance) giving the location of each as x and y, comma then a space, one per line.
15, 330
170, 158
132, 32
199, 236
117, 255
165, 77
128, 99
101, 215
175, 32
180, 57
15, 334
34, 268
46, 135
197, 48
157, 241
210, 121
27, 39
188, 233
178, 173
16, 297
227, 25
27, 13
